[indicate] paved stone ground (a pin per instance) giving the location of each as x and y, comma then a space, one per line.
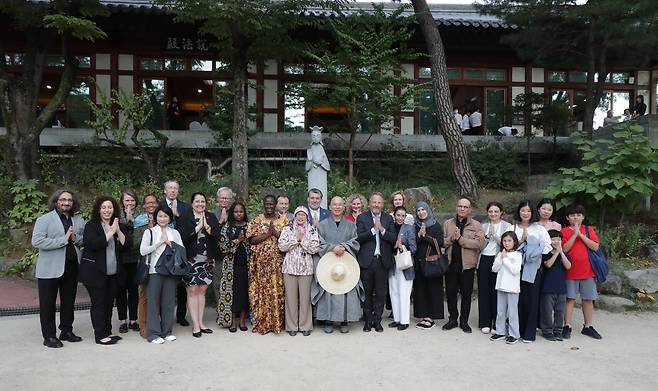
20, 296
409, 360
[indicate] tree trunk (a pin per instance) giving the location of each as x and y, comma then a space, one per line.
353, 124
240, 162
18, 96
461, 168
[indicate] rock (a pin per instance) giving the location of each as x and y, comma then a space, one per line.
615, 303
416, 194
613, 285
651, 251
646, 279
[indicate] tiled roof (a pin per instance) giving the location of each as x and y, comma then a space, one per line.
444, 14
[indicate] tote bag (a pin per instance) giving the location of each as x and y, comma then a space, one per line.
403, 259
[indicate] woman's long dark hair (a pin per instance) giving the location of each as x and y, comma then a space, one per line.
96, 209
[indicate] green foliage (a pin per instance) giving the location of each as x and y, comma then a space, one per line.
495, 167
28, 203
625, 245
23, 265
616, 173
82, 29
364, 67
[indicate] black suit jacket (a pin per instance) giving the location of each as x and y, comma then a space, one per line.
364, 224
183, 209
186, 228
93, 265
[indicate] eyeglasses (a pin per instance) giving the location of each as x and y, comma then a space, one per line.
65, 199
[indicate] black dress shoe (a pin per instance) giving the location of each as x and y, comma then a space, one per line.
402, 327
116, 338
450, 325
123, 328
52, 342
466, 328
207, 331
367, 326
197, 334
112, 341
69, 336
379, 328
183, 322
393, 325
134, 326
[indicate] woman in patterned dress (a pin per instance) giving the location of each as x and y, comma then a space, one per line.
233, 300
265, 276
199, 230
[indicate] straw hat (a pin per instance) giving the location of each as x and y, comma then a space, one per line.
338, 275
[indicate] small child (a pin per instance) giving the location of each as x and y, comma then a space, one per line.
554, 289
508, 284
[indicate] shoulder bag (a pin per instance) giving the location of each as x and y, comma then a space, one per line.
143, 266
434, 265
403, 259
597, 261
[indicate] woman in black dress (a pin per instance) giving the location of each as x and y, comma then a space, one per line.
233, 300
428, 292
199, 230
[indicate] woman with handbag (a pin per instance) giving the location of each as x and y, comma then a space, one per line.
401, 277
160, 290
200, 232
141, 223
100, 267
428, 291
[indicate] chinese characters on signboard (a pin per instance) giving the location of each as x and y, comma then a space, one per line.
187, 45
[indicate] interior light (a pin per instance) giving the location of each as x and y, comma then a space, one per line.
199, 90
49, 87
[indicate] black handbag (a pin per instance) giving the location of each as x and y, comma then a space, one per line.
436, 265
143, 266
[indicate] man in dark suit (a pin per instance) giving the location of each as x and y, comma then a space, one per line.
179, 208
376, 235
316, 213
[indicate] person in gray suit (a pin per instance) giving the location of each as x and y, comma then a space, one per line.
58, 237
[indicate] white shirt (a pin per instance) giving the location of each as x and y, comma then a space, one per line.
505, 130
458, 119
535, 230
492, 245
376, 233
476, 119
146, 248
508, 269
466, 124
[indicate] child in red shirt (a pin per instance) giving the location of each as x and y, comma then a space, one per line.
580, 277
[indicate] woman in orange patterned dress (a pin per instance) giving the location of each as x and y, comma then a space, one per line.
265, 278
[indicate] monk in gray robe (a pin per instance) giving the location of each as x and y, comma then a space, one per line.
337, 234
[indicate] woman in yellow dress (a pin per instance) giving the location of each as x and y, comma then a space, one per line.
266, 294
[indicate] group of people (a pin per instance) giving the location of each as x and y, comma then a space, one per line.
283, 270
469, 120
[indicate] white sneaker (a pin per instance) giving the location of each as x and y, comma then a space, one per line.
158, 341
527, 340
170, 338
485, 330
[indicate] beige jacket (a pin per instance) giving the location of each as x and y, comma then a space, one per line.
471, 241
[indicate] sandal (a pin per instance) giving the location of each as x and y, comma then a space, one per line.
232, 329
243, 328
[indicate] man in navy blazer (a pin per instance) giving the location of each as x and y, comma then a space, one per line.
376, 235
316, 213
58, 237
180, 208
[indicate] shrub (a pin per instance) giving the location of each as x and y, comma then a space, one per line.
28, 203
496, 167
23, 265
616, 173
625, 245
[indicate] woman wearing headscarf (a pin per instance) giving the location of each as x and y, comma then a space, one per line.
428, 292
400, 282
299, 241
